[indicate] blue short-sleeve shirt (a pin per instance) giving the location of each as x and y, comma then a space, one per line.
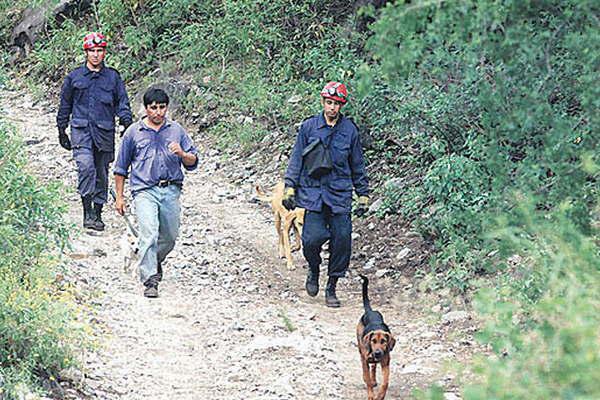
145, 158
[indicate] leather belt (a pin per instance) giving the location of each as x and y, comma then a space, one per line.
165, 183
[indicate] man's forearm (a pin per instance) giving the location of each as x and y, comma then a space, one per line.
119, 185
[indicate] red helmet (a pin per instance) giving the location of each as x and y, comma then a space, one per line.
335, 91
94, 39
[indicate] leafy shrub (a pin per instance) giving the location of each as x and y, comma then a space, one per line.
116, 15
541, 320
509, 90
63, 52
38, 330
458, 188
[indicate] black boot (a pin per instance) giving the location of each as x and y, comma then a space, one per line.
330, 297
89, 216
99, 225
312, 282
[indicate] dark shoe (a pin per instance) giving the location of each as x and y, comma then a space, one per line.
151, 292
98, 224
151, 288
89, 215
330, 297
312, 282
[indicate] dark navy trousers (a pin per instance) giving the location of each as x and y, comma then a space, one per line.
320, 227
92, 170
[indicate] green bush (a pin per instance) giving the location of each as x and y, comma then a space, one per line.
63, 52
508, 93
38, 328
542, 318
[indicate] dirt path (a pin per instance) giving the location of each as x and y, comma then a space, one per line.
231, 322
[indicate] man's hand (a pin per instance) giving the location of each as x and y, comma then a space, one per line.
63, 139
125, 124
289, 198
120, 205
176, 149
362, 206
188, 159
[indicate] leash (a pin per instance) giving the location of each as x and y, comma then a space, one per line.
127, 221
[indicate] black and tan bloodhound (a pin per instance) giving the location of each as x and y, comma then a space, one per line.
375, 342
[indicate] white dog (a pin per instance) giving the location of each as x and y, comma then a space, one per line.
129, 245
129, 252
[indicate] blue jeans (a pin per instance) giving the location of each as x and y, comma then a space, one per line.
317, 229
158, 211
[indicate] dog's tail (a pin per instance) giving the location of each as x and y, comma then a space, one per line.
365, 292
262, 196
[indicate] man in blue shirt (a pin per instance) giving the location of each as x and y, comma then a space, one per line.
327, 198
155, 148
90, 98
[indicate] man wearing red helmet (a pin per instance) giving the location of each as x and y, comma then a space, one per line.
91, 96
326, 163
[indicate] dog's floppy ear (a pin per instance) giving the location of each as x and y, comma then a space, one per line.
367, 342
391, 342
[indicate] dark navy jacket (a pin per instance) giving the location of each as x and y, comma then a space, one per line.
91, 100
335, 188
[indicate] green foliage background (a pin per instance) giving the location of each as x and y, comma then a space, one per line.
38, 328
506, 99
480, 116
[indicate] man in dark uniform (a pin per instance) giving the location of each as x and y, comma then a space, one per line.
92, 95
328, 198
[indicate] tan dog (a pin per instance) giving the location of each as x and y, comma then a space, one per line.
284, 222
375, 342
